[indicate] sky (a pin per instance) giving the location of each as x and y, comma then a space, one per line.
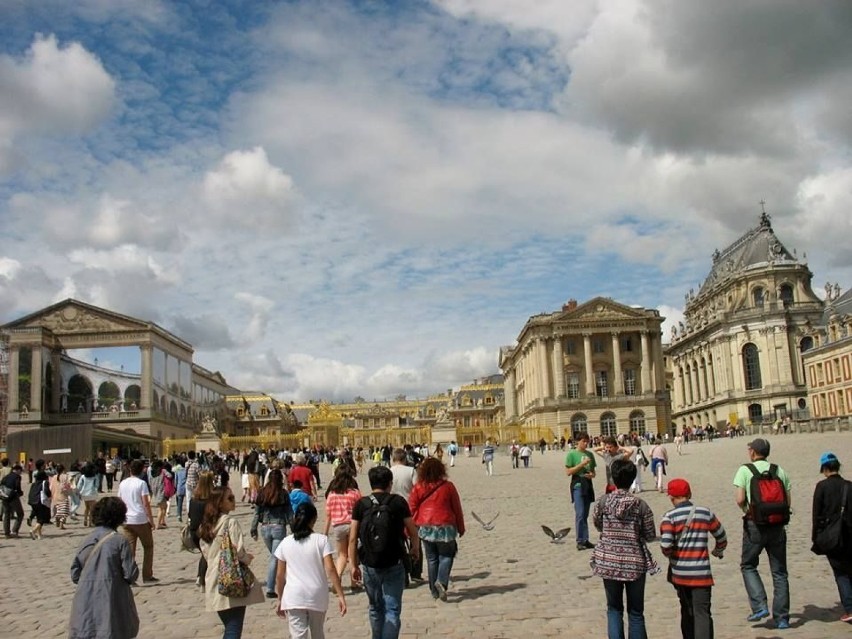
341, 199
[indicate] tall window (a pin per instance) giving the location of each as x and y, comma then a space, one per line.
629, 381
786, 295
579, 424
637, 422
751, 367
598, 345
600, 384
626, 344
570, 347
755, 413
757, 296
608, 426
573, 382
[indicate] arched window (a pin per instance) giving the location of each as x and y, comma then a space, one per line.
579, 424
785, 294
757, 296
755, 413
608, 426
751, 367
637, 422
806, 344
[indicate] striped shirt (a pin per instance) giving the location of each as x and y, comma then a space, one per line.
690, 557
338, 507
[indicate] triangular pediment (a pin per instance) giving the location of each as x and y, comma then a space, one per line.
601, 309
74, 317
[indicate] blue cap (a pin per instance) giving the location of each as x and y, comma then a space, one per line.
826, 458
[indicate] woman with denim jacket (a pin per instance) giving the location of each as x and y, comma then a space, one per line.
273, 512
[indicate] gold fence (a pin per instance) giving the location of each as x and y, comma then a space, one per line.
503, 434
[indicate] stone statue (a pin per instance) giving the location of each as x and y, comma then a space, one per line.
674, 331
208, 425
828, 289
836, 290
681, 328
442, 415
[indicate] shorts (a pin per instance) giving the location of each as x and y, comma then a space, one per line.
340, 533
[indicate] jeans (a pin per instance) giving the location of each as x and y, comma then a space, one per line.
233, 619
12, 508
272, 535
384, 588
526, 462
635, 608
581, 513
438, 565
773, 539
696, 620
844, 584
179, 499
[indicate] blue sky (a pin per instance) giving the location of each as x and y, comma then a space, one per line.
341, 199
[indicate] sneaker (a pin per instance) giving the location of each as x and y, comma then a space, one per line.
271, 595
589, 545
847, 617
757, 616
441, 590
782, 624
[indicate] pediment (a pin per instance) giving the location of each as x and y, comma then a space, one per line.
602, 309
73, 317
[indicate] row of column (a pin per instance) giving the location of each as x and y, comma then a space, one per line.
697, 382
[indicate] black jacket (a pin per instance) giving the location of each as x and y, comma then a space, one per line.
13, 481
827, 497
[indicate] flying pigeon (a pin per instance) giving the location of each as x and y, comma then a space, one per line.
489, 525
556, 537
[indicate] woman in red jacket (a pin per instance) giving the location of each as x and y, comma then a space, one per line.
436, 509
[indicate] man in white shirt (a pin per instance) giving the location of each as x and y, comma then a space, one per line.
404, 478
140, 521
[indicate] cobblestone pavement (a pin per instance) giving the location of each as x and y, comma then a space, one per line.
507, 583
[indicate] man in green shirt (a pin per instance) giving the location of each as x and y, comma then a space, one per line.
580, 466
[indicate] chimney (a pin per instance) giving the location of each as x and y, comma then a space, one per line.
570, 305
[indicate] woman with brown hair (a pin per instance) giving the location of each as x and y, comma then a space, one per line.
195, 514
437, 512
340, 498
273, 512
215, 524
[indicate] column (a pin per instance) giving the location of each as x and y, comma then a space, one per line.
646, 363
659, 368
696, 389
558, 369
688, 374
543, 369
146, 400
587, 362
509, 393
702, 379
56, 382
14, 371
35, 386
618, 381
711, 376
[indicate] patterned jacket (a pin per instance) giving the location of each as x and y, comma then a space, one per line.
626, 523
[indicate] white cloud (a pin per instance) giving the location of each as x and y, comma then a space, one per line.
259, 308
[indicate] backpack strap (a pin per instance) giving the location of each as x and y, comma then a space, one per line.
753, 470
773, 470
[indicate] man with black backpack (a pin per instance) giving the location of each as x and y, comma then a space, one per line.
376, 534
763, 494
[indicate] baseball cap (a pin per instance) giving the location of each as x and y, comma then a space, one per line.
760, 446
679, 488
826, 458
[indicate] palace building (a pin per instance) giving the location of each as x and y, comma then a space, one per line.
737, 357
594, 367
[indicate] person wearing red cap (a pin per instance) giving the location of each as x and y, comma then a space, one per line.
685, 539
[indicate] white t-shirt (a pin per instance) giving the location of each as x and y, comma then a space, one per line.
307, 583
131, 491
403, 480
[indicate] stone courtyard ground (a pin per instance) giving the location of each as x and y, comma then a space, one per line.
508, 583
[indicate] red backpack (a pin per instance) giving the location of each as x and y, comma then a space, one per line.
768, 504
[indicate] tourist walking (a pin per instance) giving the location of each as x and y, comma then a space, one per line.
833, 503
452, 451
437, 512
380, 556
621, 556
766, 514
525, 454
488, 457
580, 466
39, 502
305, 568
104, 569
272, 513
216, 523
685, 539
139, 524
659, 461
12, 508
203, 490
180, 489
340, 498
87, 488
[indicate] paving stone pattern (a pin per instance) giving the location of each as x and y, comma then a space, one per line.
508, 583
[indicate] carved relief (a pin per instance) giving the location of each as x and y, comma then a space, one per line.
72, 319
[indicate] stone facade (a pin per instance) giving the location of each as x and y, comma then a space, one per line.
595, 367
737, 357
828, 364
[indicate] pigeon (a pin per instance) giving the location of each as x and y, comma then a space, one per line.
556, 537
487, 525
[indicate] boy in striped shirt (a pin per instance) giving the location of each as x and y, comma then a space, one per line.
684, 538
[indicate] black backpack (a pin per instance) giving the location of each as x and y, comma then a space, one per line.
768, 503
376, 533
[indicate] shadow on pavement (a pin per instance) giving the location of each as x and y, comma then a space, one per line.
483, 591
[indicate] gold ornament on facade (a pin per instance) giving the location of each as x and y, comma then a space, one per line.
324, 414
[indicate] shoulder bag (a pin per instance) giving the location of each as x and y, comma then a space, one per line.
829, 538
235, 578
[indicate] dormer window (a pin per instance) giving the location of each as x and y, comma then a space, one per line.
786, 295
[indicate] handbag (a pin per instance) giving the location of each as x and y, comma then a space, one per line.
235, 578
187, 540
6, 492
829, 538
